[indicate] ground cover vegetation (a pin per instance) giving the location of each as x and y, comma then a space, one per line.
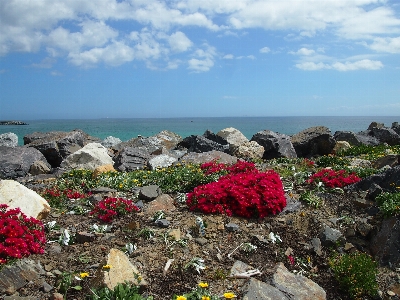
249, 191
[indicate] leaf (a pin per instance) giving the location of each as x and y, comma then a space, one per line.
77, 287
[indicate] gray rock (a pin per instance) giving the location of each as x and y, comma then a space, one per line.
216, 138
356, 139
162, 223
396, 127
130, 159
363, 227
316, 244
249, 150
89, 157
385, 135
47, 287
376, 125
17, 161
257, 290
57, 145
39, 167
390, 160
9, 139
149, 192
296, 287
232, 227
200, 158
329, 236
161, 161
200, 144
275, 145
110, 141
313, 141
16, 276
83, 237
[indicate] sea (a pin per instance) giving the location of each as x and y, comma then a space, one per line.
126, 129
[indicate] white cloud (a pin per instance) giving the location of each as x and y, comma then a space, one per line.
364, 64
228, 56
303, 51
390, 45
179, 42
203, 60
265, 50
46, 63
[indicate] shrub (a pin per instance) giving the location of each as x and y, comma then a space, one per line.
20, 236
389, 203
109, 208
333, 179
356, 273
332, 161
244, 192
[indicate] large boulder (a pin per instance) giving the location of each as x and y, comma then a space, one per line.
275, 145
57, 145
89, 157
200, 158
385, 135
154, 144
355, 139
249, 150
17, 161
199, 144
110, 141
233, 136
161, 161
16, 195
9, 139
313, 141
396, 127
131, 158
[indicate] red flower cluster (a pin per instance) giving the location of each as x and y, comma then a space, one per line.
332, 179
20, 236
239, 167
109, 208
70, 194
244, 191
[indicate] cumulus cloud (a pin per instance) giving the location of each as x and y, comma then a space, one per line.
303, 51
203, 59
228, 56
265, 50
364, 64
179, 42
389, 45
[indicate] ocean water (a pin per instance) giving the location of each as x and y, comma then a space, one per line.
126, 129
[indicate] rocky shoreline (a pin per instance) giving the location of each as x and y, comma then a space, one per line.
13, 123
346, 222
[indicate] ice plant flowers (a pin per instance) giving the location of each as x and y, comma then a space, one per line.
203, 284
229, 295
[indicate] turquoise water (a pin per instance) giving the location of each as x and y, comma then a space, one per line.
126, 129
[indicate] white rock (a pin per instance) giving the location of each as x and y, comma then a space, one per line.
233, 136
16, 195
9, 139
90, 157
161, 161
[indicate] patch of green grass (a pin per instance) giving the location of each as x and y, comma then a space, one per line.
370, 152
123, 291
389, 203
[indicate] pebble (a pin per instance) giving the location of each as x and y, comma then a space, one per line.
232, 227
390, 293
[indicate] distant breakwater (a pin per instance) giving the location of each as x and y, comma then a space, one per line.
12, 123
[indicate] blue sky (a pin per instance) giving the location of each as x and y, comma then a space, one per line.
205, 58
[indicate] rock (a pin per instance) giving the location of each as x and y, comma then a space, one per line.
122, 270
162, 223
296, 287
57, 296
57, 145
9, 139
232, 227
396, 127
89, 157
384, 244
313, 141
249, 150
161, 161
257, 290
200, 158
200, 144
275, 145
363, 227
17, 162
376, 125
360, 163
16, 276
385, 135
39, 167
330, 236
341, 146
233, 136
103, 169
84, 237
16, 195
163, 202
130, 159
110, 141
390, 160
149, 192
216, 138
316, 244
355, 139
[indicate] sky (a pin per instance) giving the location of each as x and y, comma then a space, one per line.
75, 59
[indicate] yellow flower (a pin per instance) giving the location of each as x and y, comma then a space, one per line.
107, 267
181, 298
203, 284
83, 275
205, 298
229, 295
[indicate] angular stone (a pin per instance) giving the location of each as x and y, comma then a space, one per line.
296, 286
162, 223
39, 167
330, 236
131, 159
161, 161
16, 195
149, 192
84, 237
249, 150
232, 227
89, 157
341, 146
390, 160
121, 270
233, 136
200, 144
275, 144
200, 158
16, 276
9, 139
316, 244
110, 141
163, 202
239, 267
257, 290
313, 141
